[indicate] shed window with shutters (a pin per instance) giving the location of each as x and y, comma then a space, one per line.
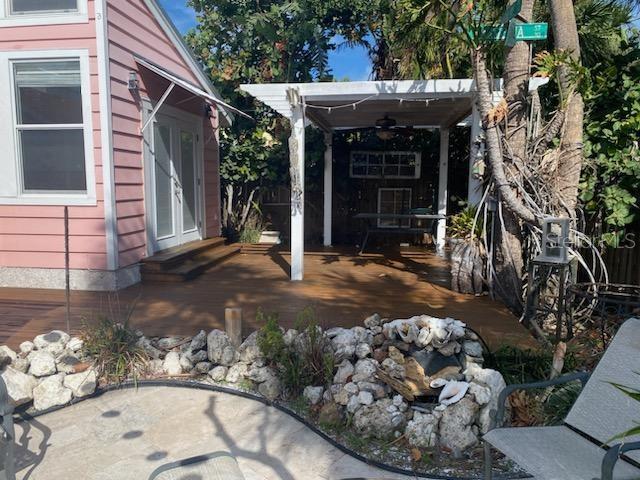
49, 130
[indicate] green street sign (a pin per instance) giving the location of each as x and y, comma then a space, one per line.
511, 12
519, 32
496, 33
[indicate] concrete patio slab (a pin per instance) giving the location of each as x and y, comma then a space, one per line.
126, 434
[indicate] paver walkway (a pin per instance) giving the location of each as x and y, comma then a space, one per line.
126, 434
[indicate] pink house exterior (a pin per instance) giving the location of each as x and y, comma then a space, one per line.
80, 86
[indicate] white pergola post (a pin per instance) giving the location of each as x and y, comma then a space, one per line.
328, 187
443, 188
296, 159
476, 155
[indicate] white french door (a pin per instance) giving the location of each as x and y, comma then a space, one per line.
175, 179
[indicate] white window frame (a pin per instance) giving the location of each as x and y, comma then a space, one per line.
11, 185
394, 189
385, 155
42, 18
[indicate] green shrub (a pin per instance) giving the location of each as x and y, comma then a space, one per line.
113, 346
308, 362
526, 365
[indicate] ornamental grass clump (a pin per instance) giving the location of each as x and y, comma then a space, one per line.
113, 346
307, 360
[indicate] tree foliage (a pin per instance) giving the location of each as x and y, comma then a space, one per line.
611, 181
267, 41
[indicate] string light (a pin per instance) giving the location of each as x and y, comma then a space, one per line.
354, 105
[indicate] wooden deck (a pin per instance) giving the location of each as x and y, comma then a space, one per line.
342, 288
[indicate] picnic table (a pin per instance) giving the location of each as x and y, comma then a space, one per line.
401, 226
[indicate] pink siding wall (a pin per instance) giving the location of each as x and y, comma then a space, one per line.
133, 29
33, 236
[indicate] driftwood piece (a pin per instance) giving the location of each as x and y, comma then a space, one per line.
397, 385
416, 379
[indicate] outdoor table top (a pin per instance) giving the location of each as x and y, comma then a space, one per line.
399, 216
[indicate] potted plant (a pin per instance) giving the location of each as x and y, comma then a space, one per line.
467, 253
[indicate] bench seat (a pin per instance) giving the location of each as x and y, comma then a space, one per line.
555, 453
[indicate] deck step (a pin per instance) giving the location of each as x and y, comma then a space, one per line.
174, 257
192, 267
258, 248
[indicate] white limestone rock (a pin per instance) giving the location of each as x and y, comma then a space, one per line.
54, 342
363, 350
219, 373
185, 363
236, 372
378, 391
290, 337
197, 357
456, 432
81, 384
171, 364
372, 321
365, 398
75, 344
26, 348
353, 404
377, 421
472, 348
51, 393
220, 349
198, 342
422, 430
495, 382
345, 370
149, 349
66, 362
249, 350
365, 370
259, 374
7, 356
21, 364
42, 363
271, 388
202, 367
313, 394
343, 341
19, 386
169, 343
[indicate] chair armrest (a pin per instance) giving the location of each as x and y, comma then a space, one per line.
497, 417
612, 456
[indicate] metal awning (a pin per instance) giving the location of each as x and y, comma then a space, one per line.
175, 80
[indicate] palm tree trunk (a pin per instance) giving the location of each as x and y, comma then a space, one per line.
509, 262
565, 33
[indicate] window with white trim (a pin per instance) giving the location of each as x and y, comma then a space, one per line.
42, 12
50, 160
394, 201
375, 164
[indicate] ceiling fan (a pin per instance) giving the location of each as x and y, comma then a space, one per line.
386, 128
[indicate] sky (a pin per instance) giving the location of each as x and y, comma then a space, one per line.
346, 63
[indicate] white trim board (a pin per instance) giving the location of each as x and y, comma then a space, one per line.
106, 136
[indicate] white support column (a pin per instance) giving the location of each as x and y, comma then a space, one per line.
443, 188
328, 187
296, 159
476, 162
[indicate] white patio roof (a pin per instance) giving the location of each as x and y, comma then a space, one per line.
340, 105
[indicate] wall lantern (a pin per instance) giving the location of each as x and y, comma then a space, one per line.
133, 84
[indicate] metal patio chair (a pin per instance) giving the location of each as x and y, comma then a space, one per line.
7, 435
212, 466
577, 450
